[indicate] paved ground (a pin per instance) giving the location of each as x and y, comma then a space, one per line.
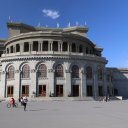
66, 114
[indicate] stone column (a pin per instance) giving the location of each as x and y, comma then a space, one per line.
51, 82
104, 84
68, 47
61, 45
30, 46
83, 83
68, 91
50, 46
3, 85
34, 83
95, 84
14, 48
17, 84
41, 44
21, 48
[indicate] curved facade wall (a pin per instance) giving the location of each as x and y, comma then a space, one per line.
52, 63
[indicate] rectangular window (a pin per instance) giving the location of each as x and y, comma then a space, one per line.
42, 90
9, 91
25, 90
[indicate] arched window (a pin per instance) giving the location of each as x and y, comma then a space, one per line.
26, 71
73, 47
42, 71
59, 71
11, 71
100, 73
88, 72
75, 71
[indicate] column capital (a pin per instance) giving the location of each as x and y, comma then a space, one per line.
51, 70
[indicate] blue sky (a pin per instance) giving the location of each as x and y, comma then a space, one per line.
107, 21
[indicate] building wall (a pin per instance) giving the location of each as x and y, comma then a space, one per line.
80, 51
50, 81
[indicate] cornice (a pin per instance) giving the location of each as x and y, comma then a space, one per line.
48, 58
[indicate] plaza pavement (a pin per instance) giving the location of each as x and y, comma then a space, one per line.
66, 114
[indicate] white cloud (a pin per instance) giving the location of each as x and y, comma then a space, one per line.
51, 13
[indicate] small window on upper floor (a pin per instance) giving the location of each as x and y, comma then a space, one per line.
87, 50
17, 48
65, 46
26, 47
45, 46
55, 46
80, 49
35, 46
73, 47
11, 49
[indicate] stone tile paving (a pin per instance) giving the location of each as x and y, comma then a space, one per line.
66, 114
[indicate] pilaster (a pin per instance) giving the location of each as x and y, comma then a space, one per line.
83, 83
68, 90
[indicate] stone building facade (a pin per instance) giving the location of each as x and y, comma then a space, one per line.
57, 62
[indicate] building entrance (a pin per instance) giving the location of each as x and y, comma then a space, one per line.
59, 90
10, 91
89, 90
75, 90
42, 90
25, 90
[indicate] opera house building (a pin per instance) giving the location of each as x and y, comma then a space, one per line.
56, 62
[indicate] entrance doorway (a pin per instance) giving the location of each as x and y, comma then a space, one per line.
25, 90
75, 90
59, 90
100, 89
89, 90
42, 90
10, 91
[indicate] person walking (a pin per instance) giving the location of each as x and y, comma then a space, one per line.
25, 100
12, 101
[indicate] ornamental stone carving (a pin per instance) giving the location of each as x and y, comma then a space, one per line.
67, 71
3, 72
83, 71
33, 70
50, 70
17, 71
